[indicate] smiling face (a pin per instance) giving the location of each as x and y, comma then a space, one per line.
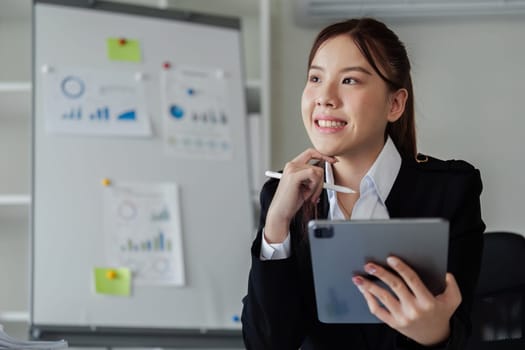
345, 104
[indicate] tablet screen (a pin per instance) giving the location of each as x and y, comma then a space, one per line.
340, 249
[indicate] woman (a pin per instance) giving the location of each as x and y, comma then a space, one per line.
357, 108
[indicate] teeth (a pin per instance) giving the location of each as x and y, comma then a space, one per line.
330, 123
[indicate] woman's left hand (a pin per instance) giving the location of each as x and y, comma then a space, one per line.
415, 312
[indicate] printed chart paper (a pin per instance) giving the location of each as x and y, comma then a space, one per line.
143, 232
95, 102
196, 113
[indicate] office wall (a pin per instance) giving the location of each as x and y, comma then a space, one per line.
468, 77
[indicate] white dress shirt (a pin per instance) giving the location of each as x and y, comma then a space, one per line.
374, 189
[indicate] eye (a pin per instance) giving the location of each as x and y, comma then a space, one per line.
350, 81
313, 79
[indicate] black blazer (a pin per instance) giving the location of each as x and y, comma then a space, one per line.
279, 310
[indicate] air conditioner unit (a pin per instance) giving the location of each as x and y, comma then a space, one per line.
315, 12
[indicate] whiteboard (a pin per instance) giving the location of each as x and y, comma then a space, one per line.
216, 213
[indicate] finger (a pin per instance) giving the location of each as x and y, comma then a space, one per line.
452, 294
310, 179
387, 299
319, 189
411, 278
452, 287
317, 194
396, 284
376, 309
310, 154
297, 172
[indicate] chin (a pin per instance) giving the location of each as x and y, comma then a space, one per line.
325, 149
328, 145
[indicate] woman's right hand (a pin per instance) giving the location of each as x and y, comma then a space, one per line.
300, 182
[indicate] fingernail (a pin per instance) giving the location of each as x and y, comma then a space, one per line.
357, 280
370, 269
392, 261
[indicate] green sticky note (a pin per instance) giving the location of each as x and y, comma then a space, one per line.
112, 281
123, 50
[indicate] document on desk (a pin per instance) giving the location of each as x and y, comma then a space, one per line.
8, 342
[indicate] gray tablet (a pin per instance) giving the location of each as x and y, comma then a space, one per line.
340, 249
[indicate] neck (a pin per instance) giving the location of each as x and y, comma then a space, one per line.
352, 167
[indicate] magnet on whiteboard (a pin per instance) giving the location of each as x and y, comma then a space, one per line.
166, 65
46, 69
139, 76
111, 274
219, 74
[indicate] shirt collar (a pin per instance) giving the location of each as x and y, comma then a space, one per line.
381, 175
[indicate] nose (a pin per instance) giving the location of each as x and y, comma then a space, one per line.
327, 97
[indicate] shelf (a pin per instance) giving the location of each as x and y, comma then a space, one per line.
14, 207
16, 86
15, 200
14, 316
15, 99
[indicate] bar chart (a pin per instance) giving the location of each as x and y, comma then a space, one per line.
158, 243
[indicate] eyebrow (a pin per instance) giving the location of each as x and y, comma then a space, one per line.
346, 69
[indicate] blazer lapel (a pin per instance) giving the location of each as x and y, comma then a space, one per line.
323, 206
399, 199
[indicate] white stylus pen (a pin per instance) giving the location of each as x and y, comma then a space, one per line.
336, 188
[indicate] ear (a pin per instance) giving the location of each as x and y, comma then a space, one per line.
398, 100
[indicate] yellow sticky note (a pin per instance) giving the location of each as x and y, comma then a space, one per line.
120, 49
113, 281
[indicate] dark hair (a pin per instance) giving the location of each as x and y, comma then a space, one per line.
378, 43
